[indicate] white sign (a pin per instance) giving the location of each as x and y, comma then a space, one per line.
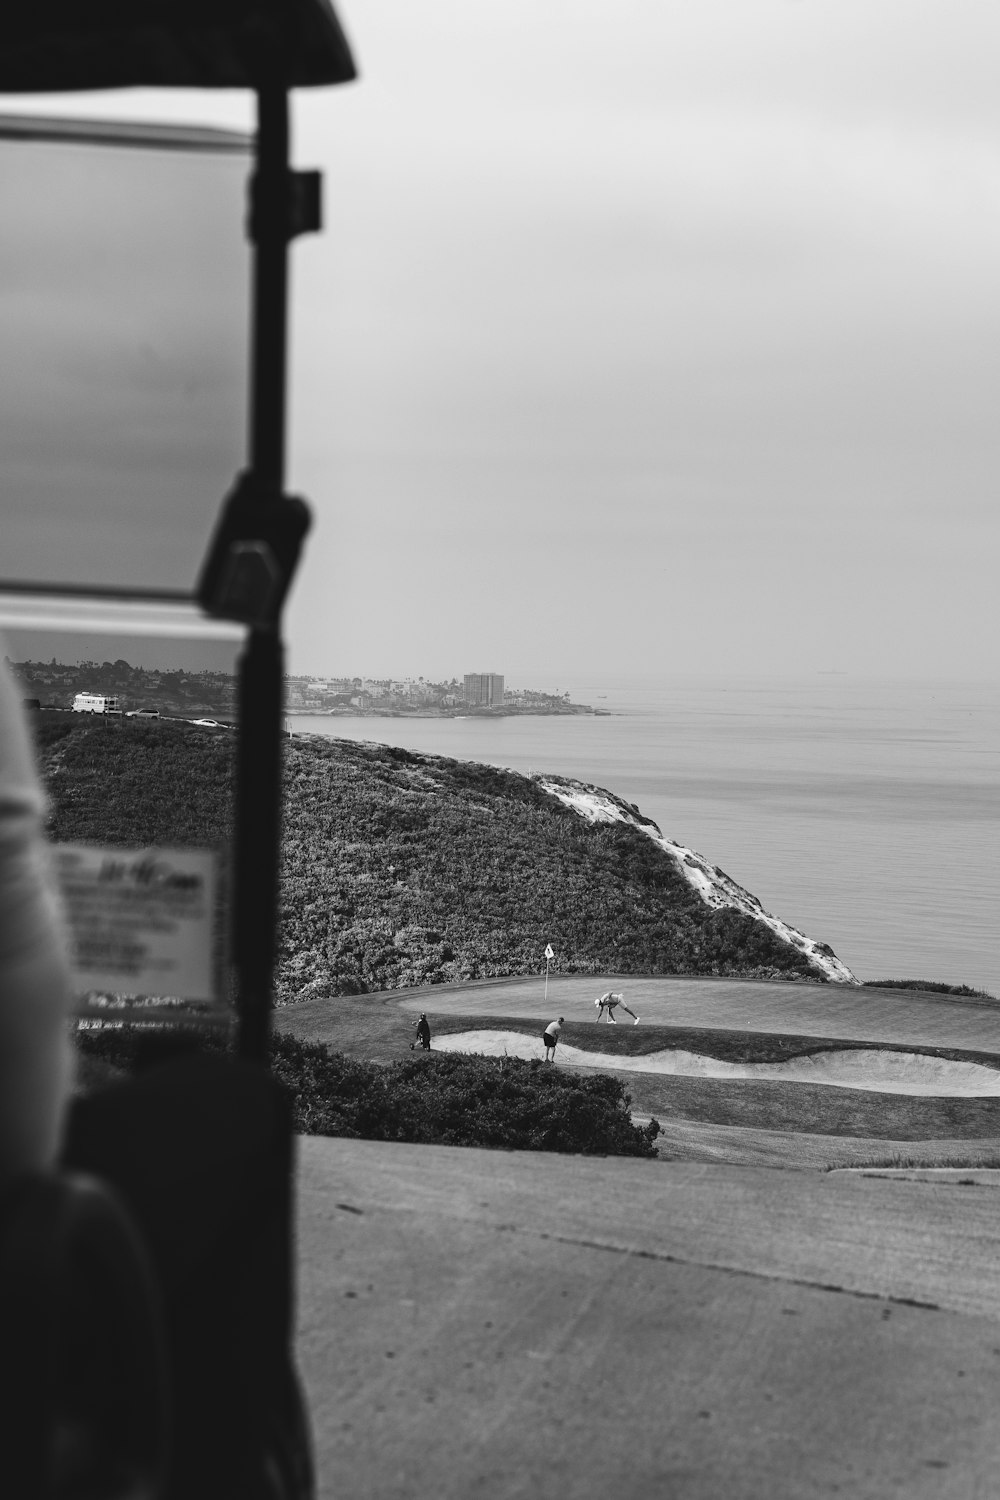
140, 920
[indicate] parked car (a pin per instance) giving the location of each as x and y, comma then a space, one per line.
144, 713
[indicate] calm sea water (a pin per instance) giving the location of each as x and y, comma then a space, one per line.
867, 814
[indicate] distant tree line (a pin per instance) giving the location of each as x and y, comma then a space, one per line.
180, 692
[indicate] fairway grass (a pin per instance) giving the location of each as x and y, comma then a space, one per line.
792, 1124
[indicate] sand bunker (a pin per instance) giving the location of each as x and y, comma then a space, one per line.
864, 1068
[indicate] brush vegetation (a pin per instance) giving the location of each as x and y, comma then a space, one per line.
452, 1100
401, 869
932, 987
444, 1100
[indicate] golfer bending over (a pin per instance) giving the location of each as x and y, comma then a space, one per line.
608, 1002
550, 1036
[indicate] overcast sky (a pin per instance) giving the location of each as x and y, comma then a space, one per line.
647, 336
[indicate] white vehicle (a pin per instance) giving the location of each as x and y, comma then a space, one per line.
96, 703
143, 713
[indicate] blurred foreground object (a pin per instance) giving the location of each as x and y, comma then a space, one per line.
269, 46
199, 1148
212, 44
34, 974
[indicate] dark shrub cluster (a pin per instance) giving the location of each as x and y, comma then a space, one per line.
115, 1051
932, 986
122, 781
454, 1100
446, 1099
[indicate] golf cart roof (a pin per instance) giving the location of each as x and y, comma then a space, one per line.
53, 45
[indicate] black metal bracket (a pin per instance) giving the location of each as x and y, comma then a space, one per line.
302, 205
253, 554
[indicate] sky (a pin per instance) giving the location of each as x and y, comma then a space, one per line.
645, 337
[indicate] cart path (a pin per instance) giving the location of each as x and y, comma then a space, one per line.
511, 1324
750, 1146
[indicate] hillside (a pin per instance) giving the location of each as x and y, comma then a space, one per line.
184, 693
402, 869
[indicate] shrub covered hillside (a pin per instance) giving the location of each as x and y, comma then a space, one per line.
402, 869
123, 781
405, 869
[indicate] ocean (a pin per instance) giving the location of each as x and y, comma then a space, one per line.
866, 814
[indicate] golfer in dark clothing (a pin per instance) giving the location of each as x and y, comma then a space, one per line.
550, 1036
423, 1035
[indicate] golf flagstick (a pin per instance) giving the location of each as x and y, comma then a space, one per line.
549, 956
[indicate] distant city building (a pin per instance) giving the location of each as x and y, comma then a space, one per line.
484, 689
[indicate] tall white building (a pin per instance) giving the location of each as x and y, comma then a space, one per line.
484, 689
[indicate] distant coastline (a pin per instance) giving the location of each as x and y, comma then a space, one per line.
565, 710
187, 694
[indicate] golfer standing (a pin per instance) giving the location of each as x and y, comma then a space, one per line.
550, 1036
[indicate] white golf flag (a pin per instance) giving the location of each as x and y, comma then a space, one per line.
548, 951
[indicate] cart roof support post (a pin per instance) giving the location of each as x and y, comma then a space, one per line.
257, 834
251, 561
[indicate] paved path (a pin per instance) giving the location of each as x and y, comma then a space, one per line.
826, 1010
744, 1145
500, 1325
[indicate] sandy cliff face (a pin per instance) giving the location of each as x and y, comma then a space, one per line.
713, 885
